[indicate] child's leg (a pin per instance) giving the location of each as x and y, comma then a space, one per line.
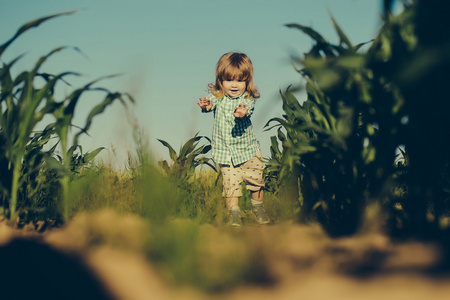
232, 179
258, 195
232, 202
253, 177
258, 207
234, 211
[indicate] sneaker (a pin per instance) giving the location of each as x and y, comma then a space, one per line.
235, 218
260, 214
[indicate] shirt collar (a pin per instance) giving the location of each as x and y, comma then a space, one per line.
237, 97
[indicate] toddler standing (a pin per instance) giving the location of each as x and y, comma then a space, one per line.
234, 144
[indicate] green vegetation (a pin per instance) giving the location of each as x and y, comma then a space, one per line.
24, 103
340, 146
188, 159
366, 136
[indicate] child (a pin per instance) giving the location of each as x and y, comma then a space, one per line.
234, 144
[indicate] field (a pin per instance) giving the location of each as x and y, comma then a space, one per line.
357, 185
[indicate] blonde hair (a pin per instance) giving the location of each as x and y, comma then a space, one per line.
234, 66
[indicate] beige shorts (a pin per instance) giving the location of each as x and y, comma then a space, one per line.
250, 172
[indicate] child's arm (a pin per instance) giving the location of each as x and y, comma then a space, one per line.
205, 104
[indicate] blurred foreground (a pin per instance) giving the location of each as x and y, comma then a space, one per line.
102, 255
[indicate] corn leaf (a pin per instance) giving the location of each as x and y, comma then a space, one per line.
89, 156
342, 36
172, 152
309, 31
29, 25
189, 146
98, 109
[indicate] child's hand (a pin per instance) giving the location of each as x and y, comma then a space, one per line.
240, 111
205, 104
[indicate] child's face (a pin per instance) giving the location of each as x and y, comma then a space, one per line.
234, 87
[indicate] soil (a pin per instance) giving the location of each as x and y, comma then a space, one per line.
99, 256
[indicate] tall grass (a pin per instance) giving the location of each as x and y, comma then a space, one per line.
186, 237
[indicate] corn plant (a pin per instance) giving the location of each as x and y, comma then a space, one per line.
64, 115
333, 140
24, 104
190, 157
272, 172
416, 60
360, 108
5, 176
323, 139
194, 198
23, 107
33, 163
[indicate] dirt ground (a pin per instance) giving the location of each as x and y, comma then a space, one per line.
99, 256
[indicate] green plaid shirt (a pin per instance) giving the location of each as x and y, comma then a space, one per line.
233, 138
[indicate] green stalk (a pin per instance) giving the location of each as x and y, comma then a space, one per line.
65, 200
18, 148
65, 179
14, 189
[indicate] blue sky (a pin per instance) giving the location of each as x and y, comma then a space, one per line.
166, 52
